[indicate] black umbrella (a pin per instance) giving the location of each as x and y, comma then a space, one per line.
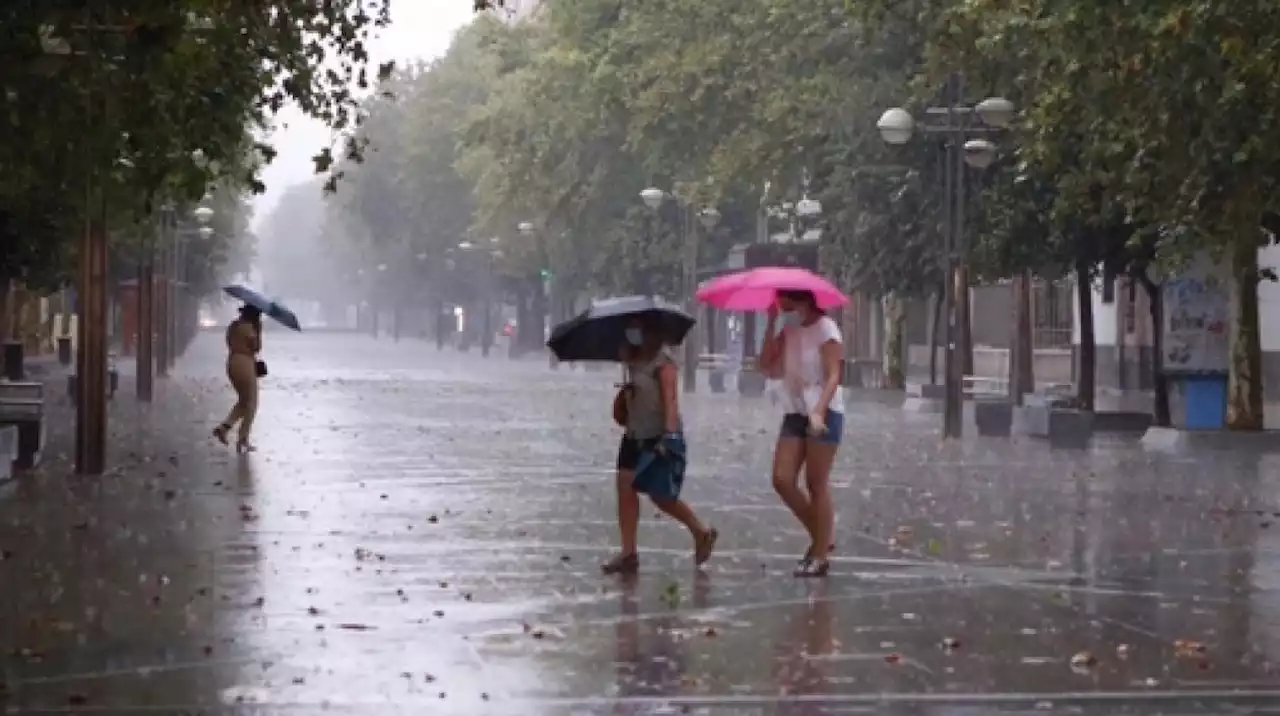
600, 332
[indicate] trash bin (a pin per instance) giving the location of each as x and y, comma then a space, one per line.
13, 361
1205, 397
716, 380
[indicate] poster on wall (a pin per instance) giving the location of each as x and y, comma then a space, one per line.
1197, 314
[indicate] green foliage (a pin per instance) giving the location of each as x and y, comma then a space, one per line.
1144, 133
146, 102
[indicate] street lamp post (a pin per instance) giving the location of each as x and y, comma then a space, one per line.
708, 217
963, 128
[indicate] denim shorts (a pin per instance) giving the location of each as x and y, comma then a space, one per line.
796, 425
629, 451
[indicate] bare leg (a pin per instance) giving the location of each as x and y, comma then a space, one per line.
817, 475
237, 410
628, 512
788, 458
250, 412
683, 514
704, 538
245, 382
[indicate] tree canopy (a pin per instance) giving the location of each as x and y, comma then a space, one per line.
1144, 135
137, 103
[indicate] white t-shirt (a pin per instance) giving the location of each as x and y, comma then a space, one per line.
802, 376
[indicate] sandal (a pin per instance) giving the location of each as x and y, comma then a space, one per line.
220, 433
808, 553
622, 564
813, 569
703, 545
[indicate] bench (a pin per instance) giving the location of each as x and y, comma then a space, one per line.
113, 383
924, 398
865, 372
22, 409
717, 364
984, 386
1048, 417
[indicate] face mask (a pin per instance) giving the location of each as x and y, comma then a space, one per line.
790, 318
635, 336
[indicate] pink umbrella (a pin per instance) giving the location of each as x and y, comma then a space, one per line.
757, 289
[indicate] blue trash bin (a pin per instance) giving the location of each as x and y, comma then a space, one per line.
1206, 401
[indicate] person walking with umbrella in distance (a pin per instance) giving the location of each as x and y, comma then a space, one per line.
244, 342
651, 455
244, 368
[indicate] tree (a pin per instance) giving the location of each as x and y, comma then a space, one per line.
1150, 112
161, 98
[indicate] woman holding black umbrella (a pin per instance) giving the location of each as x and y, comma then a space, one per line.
244, 342
651, 455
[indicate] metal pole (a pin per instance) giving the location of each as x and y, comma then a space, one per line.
146, 321
691, 238
952, 409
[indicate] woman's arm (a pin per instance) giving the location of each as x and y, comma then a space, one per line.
770, 360
667, 380
832, 354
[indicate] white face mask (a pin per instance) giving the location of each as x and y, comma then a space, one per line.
635, 337
790, 318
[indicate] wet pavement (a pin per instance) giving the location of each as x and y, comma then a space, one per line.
420, 533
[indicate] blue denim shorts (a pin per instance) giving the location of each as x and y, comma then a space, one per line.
796, 425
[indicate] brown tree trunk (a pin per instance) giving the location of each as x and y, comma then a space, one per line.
6, 310
895, 374
1244, 381
1088, 345
1160, 415
1022, 379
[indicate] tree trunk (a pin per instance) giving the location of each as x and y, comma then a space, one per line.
6, 310
935, 319
1088, 344
1244, 381
895, 377
1022, 379
1160, 415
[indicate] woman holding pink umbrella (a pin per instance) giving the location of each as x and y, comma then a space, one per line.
806, 354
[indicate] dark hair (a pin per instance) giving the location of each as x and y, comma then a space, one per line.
805, 297
250, 313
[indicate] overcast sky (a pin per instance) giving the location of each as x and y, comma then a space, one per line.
420, 29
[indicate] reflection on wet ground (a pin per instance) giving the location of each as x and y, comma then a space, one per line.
420, 533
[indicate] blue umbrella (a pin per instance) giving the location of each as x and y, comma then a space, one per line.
272, 309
